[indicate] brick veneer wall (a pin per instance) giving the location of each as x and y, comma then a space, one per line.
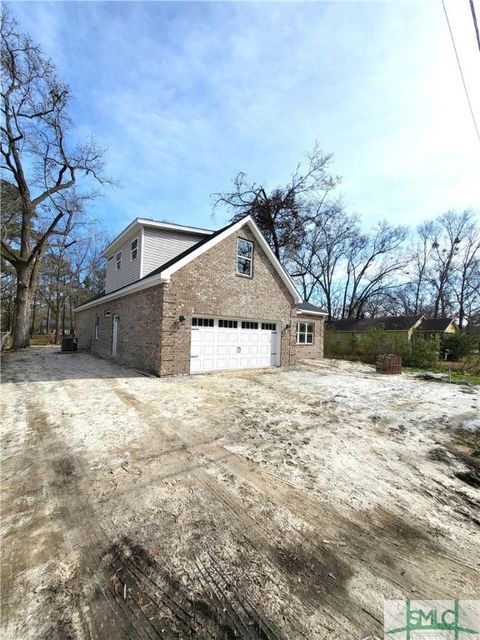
314, 350
152, 337
139, 329
210, 286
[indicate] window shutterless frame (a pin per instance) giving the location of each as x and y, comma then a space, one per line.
244, 258
119, 260
134, 249
305, 332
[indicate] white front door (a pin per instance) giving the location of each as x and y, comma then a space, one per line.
219, 344
114, 335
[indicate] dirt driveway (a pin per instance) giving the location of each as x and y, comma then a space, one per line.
266, 504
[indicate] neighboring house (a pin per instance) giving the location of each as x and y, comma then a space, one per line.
436, 327
401, 325
182, 300
408, 326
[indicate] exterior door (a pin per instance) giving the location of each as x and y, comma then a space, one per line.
114, 335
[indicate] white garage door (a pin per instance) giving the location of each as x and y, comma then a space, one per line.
219, 343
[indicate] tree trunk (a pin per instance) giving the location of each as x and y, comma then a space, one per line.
63, 318
34, 313
23, 309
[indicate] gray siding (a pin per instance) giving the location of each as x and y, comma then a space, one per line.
130, 271
161, 246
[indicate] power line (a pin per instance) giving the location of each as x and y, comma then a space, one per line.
461, 72
472, 7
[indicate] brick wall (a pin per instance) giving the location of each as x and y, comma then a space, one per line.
209, 285
314, 350
151, 335
139, 328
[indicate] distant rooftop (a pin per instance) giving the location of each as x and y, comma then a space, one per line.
435, 324
399, 323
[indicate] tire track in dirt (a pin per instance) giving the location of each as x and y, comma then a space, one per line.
375, 541
210, 620
306, 568
89, 604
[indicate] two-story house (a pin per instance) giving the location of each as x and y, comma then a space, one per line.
182, 300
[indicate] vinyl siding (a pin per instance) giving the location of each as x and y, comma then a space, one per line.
130, 271
160, 246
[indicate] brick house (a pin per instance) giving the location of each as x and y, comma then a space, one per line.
181, 300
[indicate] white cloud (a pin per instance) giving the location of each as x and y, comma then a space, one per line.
187, 95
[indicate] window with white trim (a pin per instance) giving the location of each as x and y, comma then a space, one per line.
134, 249
97, 326
305, 332
244, 257
119, 260
269, 326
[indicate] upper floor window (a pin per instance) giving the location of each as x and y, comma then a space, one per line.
305, 332
134, 248
119, 260
244, 257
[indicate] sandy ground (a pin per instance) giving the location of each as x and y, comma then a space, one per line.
256, 504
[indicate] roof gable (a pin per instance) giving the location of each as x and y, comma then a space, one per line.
183, 259
166, 270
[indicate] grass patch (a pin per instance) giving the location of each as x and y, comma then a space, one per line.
457, 376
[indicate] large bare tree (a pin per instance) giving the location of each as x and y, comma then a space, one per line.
39, 159
284, 213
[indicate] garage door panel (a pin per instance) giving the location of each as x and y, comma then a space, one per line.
222, 347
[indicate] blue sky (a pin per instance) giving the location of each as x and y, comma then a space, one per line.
185, 95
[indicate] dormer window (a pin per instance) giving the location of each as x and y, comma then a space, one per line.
119, 260
244, 257
134, 249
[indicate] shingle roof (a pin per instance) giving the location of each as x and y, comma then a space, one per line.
307, 306
435, 324
399, 323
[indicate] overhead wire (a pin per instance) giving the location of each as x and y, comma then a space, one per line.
475, 24
461, 71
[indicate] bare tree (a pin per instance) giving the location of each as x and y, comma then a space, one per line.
466, 282
319, 263
39, 160
450, 232
374, 262
283, 213
422, 253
